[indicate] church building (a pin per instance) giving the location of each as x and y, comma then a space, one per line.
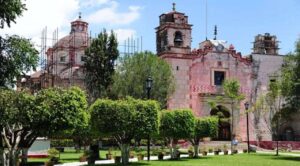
199, 74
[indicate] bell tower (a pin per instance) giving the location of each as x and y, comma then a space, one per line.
173, 35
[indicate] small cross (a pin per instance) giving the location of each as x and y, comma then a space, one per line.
79, 14
174, 5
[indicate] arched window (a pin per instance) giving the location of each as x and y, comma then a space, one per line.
178, 39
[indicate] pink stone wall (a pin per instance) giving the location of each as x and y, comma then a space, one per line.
194, 78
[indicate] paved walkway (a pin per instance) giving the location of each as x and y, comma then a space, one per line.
280, 153
132, 160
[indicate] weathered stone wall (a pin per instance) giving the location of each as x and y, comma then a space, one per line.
265, 68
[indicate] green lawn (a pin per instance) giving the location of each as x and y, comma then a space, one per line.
236, 160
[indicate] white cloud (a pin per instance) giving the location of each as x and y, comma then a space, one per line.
110, 15
41, 13
59, 13
91, 3
124, 34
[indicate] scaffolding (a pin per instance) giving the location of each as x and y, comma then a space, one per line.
265, 44
132, 46
61, 61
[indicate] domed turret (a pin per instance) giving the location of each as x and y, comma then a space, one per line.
79, 25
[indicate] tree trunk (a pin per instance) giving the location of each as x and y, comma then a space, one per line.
174, 151
171, 150
2, 156
11, 158
196, 150
125, 153
24, 156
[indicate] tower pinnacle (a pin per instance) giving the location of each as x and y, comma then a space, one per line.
174, 7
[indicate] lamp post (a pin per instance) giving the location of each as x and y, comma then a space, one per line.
248, 142
148, 87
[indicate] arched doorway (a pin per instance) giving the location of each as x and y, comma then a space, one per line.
224, 125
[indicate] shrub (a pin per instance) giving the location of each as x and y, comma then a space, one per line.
53, 155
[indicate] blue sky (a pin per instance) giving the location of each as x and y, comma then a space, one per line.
238, 21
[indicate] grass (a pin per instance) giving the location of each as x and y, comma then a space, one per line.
236, 160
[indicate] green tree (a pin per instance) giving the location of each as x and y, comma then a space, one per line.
231, 89
17, 56
278, 112
175, 125
132, 72
25, 117
204, 127
10, 10
124, 120
99, 64
290, 76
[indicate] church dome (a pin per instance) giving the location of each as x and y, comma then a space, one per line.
78, 36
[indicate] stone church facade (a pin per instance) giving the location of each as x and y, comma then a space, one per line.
64, 61
199, 74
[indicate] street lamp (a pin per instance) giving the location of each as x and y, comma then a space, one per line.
149, 82
246, 108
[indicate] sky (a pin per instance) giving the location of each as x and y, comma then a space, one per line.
238, 21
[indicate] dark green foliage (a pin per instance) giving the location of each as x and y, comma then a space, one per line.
114, 118
99, 64
124, 120
291, 78
10, 10
25, 117
62, 143
206, 127
132, 72
17, 56
61, 109
177, 124
127, 118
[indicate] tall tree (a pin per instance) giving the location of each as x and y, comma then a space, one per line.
204, 127
290, 76
25, 117
99, 64
17, 56
10, 10
124, 120
232, 91
132, 72
175, 125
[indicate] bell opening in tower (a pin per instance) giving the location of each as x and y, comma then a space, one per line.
178, 39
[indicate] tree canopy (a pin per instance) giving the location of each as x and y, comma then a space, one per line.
124, 120
99, 64
175, 125
132, 72
17, 56
25, 117
204, 127
290, 76
10, 10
